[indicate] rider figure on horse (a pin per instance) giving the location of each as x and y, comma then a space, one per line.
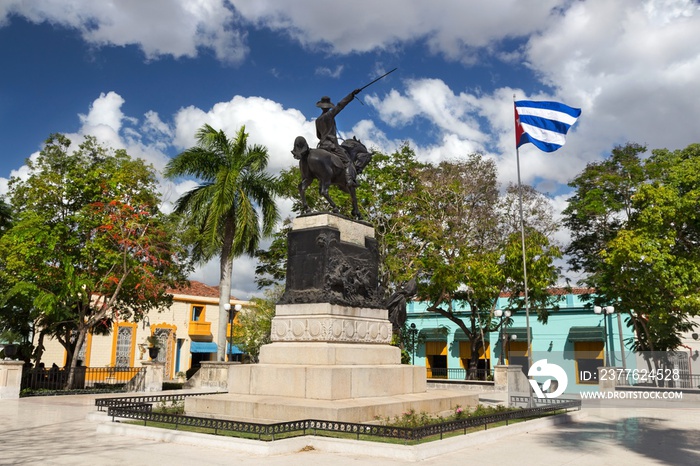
327, 132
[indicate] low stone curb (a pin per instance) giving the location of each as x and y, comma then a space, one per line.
409, 453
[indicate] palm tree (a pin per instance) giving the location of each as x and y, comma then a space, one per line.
224, 207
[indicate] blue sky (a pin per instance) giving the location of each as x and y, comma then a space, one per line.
145, 75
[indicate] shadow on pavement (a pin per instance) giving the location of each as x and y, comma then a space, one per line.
648, 437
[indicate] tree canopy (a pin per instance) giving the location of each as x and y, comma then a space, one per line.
635, 228
470, 247
89, 245
254, 324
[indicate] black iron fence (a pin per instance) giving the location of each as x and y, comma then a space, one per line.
84, 378
458, 373
135, 408
106, 403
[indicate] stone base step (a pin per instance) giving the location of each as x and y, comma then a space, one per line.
318, 353
265, 409
326, 382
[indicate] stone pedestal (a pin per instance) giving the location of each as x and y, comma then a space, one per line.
332, 260
331, 357
153, 381
511, 380
10, 378
212, 375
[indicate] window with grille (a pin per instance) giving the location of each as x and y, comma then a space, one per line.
124, 336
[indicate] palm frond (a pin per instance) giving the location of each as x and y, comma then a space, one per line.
235, 188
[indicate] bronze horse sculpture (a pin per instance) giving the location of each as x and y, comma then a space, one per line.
321, 165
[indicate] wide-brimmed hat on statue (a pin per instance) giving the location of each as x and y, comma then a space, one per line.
325, 102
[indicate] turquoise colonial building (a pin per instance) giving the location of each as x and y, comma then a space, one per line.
574, 337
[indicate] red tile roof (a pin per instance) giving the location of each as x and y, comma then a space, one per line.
196, 288
561, 291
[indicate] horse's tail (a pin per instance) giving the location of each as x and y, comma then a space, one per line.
301, 148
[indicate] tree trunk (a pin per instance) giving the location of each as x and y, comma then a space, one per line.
39, 352
224, 298
82, 332
226, 271
474, 359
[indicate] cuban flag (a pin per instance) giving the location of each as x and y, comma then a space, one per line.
544, 124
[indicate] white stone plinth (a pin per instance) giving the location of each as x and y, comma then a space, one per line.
326, 322
153, 382
336, 310
10, 379
350, 231
511, 380
212, 375
318, 353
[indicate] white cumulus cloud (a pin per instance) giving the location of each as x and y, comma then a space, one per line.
159, 27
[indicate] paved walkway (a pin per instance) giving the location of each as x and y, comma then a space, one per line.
54, 430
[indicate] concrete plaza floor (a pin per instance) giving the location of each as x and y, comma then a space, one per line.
55, 430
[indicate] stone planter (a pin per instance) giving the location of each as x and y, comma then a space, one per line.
153, 352
10, 350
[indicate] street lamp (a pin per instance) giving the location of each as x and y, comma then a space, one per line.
414, 331
500, 313
231, 315
605, 311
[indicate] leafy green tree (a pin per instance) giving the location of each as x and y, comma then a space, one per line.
255, 323
89, 244
388, 200
272, 262
224, 207
600, 206
14, 314
471, 252
646, 261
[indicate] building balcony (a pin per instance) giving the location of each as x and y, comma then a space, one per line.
199, 330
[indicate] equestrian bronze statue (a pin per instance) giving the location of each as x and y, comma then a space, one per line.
328, 169
332, 163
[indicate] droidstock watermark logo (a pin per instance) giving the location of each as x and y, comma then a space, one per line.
542, 368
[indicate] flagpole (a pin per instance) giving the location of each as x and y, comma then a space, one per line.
522, 240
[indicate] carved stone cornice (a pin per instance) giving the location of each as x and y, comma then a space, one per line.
330, 329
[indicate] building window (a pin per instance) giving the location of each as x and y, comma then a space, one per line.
483, 365
589, 357
124, 353
516, 354
197, 313
436, 359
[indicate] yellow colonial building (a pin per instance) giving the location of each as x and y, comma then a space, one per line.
186, 333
